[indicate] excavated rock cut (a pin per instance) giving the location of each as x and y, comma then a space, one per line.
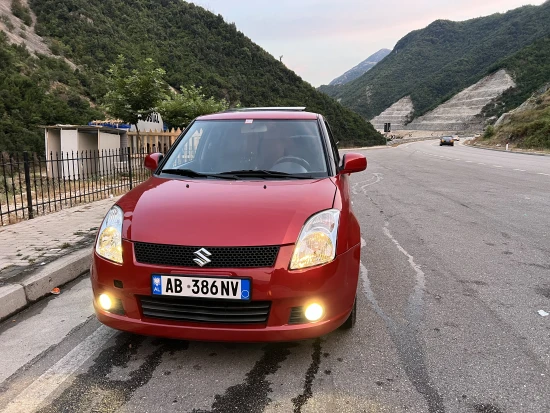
463, 111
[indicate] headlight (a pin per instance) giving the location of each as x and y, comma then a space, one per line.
317, 241
109, 241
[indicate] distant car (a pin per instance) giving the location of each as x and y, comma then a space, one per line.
446, 140
244, 232
456, 138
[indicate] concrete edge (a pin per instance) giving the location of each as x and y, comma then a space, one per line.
16, 296
12, 299
504, 150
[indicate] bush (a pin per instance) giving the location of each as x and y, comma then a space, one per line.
21, 12
489, 132
6, 20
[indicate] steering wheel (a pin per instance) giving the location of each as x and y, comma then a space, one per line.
294, 159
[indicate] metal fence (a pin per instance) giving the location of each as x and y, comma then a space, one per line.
32, 185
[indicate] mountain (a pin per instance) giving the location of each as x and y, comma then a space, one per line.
361, 68
194, 46
435, 63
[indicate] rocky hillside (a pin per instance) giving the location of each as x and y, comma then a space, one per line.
527, 126
194, 46
361, 68
433, 64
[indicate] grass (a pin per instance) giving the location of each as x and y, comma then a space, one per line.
527, 129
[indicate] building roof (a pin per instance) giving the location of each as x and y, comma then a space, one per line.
88, 128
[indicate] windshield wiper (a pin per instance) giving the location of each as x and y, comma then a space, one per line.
194, 174
264, 173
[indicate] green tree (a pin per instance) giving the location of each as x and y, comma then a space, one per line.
134, 94
181, 108
21, 12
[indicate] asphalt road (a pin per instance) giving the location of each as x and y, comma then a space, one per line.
456, 266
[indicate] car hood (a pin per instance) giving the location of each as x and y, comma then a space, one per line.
222, 213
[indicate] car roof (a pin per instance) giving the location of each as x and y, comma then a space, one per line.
281, 113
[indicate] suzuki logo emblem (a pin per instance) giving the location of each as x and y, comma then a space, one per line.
202, 255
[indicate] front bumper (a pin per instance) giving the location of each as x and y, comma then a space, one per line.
333, 285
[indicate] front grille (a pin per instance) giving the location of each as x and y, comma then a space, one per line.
221, 257
297, 316
205, 311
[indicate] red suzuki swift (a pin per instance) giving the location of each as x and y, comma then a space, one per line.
244, 232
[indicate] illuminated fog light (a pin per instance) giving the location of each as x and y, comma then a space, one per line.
105, 302
314, 312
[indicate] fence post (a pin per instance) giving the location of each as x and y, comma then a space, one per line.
130, 166
28, 182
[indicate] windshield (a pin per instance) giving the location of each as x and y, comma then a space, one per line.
267, 148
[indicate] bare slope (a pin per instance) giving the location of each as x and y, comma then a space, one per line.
463, 111
18, 32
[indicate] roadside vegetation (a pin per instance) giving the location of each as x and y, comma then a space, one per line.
524, 129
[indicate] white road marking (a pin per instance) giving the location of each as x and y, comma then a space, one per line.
457, 159
497, 166
378, 179
354, 186
420, 276
29, 399
469, 161
540, 173
519, 170
363, 242
414, 299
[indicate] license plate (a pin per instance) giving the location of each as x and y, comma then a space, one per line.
201, 287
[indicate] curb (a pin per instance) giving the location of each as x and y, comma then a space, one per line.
363, 148
504, 150
16, 296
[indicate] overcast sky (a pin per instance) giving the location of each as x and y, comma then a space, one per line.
322, 39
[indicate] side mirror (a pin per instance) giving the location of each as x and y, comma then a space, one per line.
353, 162
152, 161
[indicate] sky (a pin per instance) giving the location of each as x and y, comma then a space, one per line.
322, 39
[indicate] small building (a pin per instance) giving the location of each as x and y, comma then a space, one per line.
78, 149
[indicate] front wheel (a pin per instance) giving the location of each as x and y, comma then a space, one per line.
350, 322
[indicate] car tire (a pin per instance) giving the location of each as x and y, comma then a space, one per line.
350, 321
452, 144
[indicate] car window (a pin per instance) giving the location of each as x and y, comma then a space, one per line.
186, 152
217, 146
334, 149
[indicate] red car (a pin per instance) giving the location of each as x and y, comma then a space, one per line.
244, 232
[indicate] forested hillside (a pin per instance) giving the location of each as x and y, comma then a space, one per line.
530, 68
435, 63
194, 46
37, 91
